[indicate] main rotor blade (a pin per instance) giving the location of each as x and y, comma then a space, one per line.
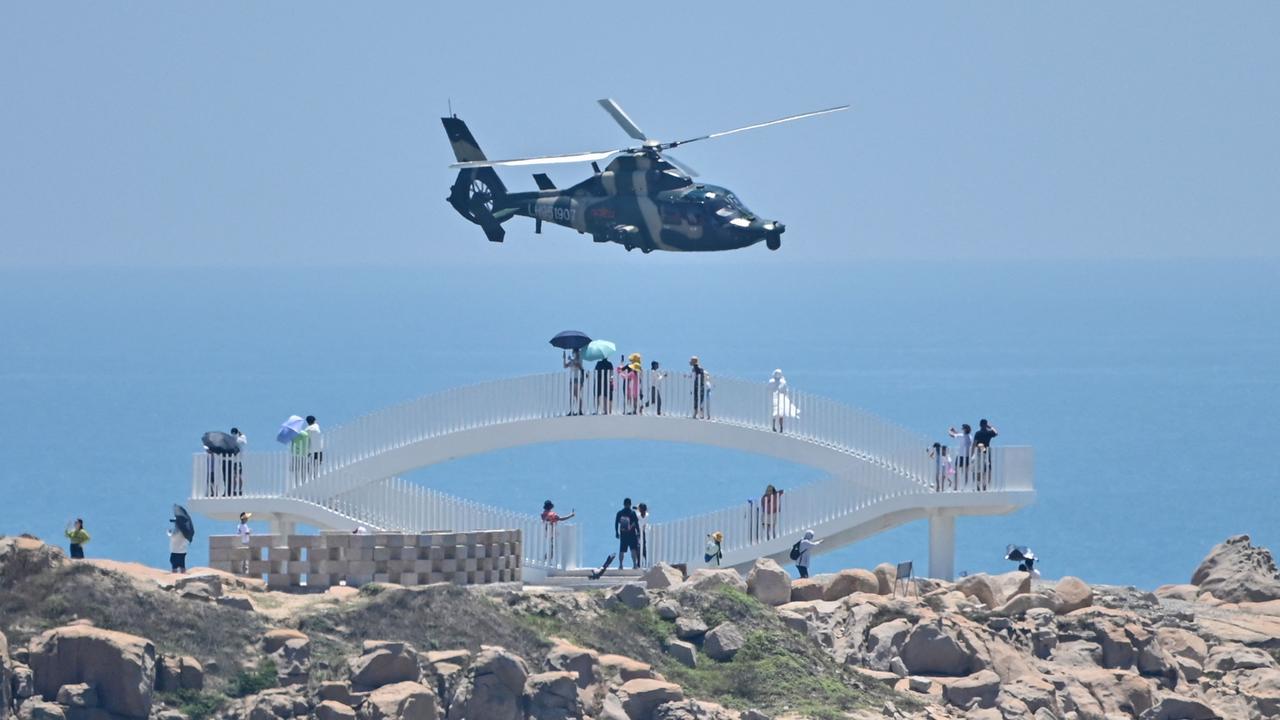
540, 160
683, 168
613, 108
789, 118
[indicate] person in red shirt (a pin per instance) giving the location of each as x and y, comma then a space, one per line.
551, 518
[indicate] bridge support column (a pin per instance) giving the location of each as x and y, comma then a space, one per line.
281, 526
942, 547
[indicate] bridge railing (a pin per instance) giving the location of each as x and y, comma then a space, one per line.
722, 400
749, 524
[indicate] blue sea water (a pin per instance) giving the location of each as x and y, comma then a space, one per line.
1149, 390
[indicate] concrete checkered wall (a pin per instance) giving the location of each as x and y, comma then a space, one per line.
319, 561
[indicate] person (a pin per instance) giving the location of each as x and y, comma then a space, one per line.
805, 548
982, 452
178, 545
573, 363
630, 374
244, 532
78, 537
699, 386
300, 450
237, 471
943, 469
604, 386
715, 548
315, 444
782, 405
626, 528
770, 506
360, 530
642, 514
550, 518
964, 449
656, 376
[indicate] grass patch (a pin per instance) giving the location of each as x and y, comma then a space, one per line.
195, 704
253, 681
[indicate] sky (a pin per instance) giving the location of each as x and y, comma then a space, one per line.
282, 135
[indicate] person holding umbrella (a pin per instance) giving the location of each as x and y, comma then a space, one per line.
571, 343
75, 532
600, 350
180, 536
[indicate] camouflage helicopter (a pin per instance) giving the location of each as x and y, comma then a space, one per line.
643, 198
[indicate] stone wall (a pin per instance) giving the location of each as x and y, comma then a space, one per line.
331, 558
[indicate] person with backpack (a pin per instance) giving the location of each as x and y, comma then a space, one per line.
715, 548
626, 527
801, 551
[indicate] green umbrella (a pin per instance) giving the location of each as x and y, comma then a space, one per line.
599, 350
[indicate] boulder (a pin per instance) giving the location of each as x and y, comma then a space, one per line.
684, 653
1018, 605
661, 576
384, 663
708, 579
1073, 594
769, 583
199, 587
1005, 585
36, 709
1077, 653
1116, 693
1261, 688
339, 692
1117, 647
929, 650
334, 710
640, 698
980, 588
494, 689
1035, 692
631, 595
848, 582
291, 652
120, 666
626, 668
178, 673
980, 688
723, 642
884, 641
1182, 643
668, 609
690, 628
1233, 656
553, 696
1237, 571
886, 575
22, 682
401, 701
807, 589
1186, 593
274, 703
78, 695
1177, 707
693, 710
567, 657
237, 602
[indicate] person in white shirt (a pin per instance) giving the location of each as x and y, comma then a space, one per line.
178, 546
244, 532
236, 483
642, 513
804, 551
964, 449
315, 444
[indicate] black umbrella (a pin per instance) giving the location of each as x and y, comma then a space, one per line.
1022, 555
182, 520
570, 340
220, 443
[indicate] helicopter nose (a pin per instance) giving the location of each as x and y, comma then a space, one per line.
774, 227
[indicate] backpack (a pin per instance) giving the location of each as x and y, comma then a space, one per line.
795, 551
624, 524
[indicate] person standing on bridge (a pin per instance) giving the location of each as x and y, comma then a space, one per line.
782, 405
699, 387
982, 451
315, 444
237, 470
573, 363
964, 449
626, 528
604, 386
656, 377
803, 550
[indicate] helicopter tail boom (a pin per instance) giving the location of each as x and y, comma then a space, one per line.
477, 191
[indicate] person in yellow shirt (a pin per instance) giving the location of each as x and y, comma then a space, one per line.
78, 537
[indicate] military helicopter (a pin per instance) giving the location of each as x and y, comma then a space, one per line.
644, 198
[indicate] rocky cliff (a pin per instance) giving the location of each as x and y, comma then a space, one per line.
100, 641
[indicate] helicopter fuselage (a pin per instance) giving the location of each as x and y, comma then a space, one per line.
643, 202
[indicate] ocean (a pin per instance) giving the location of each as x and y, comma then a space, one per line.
1148, 389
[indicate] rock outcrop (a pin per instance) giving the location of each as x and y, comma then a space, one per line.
494, 688
769, 583
1237, 571
120, 666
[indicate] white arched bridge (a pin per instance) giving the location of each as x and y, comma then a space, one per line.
879, 475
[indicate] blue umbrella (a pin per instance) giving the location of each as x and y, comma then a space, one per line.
570, 340
290, 429
599, 350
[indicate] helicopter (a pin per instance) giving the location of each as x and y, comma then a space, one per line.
644, 198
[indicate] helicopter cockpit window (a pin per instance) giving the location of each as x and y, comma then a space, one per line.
669, 180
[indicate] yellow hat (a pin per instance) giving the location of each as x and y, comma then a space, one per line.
635, 365
717, 536
634, 357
